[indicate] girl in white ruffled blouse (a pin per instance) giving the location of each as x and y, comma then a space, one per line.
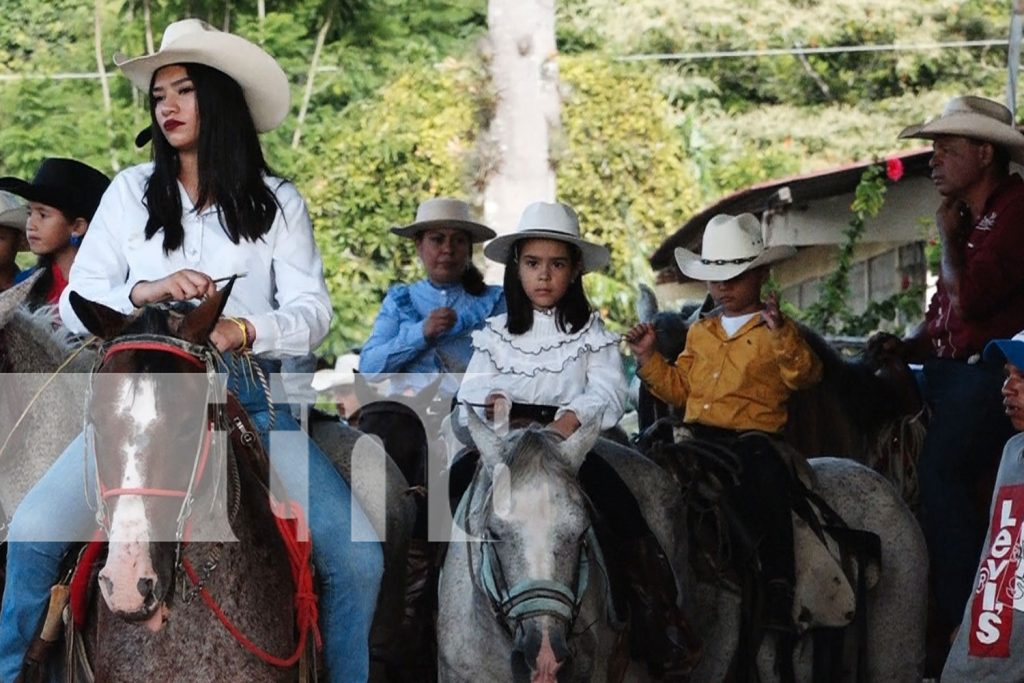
550, 355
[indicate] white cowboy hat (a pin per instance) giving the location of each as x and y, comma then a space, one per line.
542, 220
973, 117
343, 373
442, 212
263, 82
731, 246
13, 211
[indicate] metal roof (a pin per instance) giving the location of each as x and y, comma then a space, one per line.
755, 199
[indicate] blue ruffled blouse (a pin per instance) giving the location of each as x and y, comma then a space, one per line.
397, 343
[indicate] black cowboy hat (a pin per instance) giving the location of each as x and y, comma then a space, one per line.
71, 186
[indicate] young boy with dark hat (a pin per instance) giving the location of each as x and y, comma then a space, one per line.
62, 199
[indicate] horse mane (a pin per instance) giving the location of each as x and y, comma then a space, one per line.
865, 397
37, 344
530, 455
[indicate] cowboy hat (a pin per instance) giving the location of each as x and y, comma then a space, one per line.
263, 82
442, 212
542, 220
13, 212
71, 186
1006, 350
342, 374
731, 246
973, 117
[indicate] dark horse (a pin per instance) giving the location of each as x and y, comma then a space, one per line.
165, 472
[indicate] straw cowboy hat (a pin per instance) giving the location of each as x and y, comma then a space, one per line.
442, 212
542, 220
731, 246
71, 186
973, 117
13, 211
342, 374
263, 82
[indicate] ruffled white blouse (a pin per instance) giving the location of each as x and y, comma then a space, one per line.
579, 371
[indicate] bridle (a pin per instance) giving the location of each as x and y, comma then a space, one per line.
207, 448
530, 597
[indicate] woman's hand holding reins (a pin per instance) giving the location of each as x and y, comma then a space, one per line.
233, 334
182, 285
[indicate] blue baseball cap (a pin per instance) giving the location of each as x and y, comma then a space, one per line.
1008, 350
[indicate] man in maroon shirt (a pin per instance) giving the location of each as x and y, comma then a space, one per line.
980, 297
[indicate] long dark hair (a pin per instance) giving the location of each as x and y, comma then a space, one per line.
231, 165
473, 280
571, 312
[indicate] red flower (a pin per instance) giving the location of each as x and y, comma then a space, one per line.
894, 169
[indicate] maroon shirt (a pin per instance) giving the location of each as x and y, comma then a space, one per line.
991, 282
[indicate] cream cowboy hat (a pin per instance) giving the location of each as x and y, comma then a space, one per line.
442, 212
731, 246
973, 117
263, 82
342, 374
542, 220
13, 211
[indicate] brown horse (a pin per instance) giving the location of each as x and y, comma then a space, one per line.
166, 472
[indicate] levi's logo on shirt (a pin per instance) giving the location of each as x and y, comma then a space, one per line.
1000, 587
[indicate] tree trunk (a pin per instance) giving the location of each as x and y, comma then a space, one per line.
310, 76
261, 16
147, 15
227, 17
104, 83
524, 75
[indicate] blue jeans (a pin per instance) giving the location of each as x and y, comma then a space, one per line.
349, 573
966, 434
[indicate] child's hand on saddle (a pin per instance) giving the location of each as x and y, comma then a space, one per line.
497, 402
771, 314
566, 424
642, 341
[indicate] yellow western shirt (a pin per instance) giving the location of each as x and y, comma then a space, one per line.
740, 382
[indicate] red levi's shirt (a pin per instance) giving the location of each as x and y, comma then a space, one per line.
991, 284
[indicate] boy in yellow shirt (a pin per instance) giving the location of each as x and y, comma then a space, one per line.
733, 378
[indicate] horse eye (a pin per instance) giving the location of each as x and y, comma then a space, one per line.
493, 536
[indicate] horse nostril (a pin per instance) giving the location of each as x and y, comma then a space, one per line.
108, 585
145, 587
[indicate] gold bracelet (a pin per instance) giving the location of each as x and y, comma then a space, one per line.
244, 329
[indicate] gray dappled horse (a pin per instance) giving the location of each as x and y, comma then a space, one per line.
532, 601
31, 350
517, 606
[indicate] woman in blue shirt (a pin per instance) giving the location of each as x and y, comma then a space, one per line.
424, 328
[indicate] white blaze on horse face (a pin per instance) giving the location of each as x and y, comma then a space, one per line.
531, 511
128, 561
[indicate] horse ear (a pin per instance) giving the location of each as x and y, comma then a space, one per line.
487, 441
104, 322
198, 323
12, 298
646, 304
573, 450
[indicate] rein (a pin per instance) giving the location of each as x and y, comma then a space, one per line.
298, 552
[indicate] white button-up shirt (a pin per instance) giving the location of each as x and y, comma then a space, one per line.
282, 294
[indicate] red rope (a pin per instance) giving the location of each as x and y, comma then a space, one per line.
306, 613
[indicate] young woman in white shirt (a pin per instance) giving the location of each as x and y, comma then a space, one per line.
550, 355
207, 207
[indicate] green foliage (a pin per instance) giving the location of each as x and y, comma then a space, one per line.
369, 169
830, 315
624, 170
